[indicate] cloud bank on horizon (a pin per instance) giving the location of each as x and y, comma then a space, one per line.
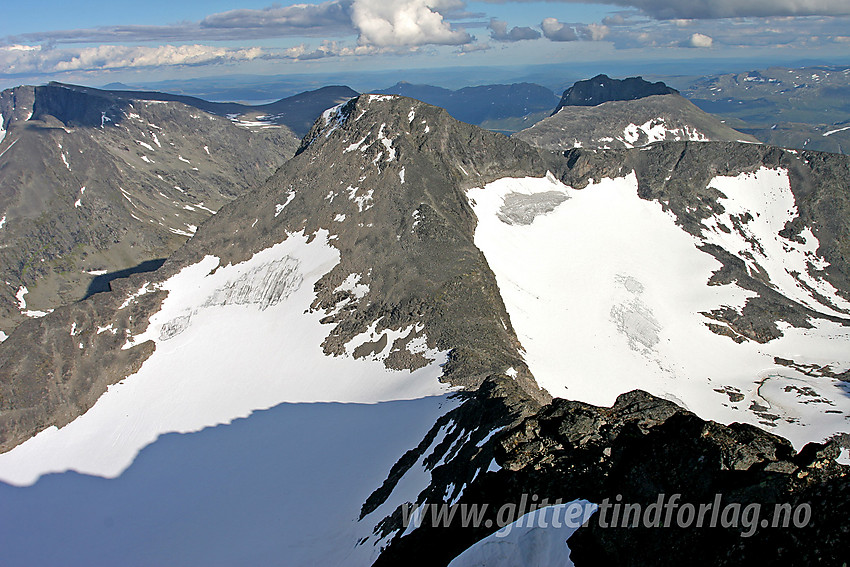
361, 28
717, 9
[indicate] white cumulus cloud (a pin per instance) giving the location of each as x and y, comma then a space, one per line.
406, 23
555, 30
699, 40
596, 32
558, 31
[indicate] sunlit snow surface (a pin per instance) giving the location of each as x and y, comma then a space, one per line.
657, 130
230, 340
605, 292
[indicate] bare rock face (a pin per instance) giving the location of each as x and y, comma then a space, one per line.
94, 183
635, 123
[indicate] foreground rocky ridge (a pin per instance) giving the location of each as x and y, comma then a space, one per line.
641, 448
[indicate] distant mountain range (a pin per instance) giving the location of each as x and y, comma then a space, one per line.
804, 108
801, 108
495, 107
296, 112
794, 108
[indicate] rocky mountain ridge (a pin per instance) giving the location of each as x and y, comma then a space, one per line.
631, 453
629, 124
297, 112
96, 184
389, 260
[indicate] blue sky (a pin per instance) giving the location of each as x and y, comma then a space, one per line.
56, 15
101, 41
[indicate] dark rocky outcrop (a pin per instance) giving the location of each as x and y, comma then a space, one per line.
603, 88
643, 447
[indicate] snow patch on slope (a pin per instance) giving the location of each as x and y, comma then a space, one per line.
387, 142
279, 207
333, 117
22, 305
657, 130
830, 133
79, 202
605, 292
230, 340
757, 208
364, 201
352, 285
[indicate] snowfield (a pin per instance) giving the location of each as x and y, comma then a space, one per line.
237, 421
283, 486
230, 340
605, 292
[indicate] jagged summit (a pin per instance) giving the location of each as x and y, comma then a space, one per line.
603, 88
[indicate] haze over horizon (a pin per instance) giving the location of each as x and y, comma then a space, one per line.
108, 42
